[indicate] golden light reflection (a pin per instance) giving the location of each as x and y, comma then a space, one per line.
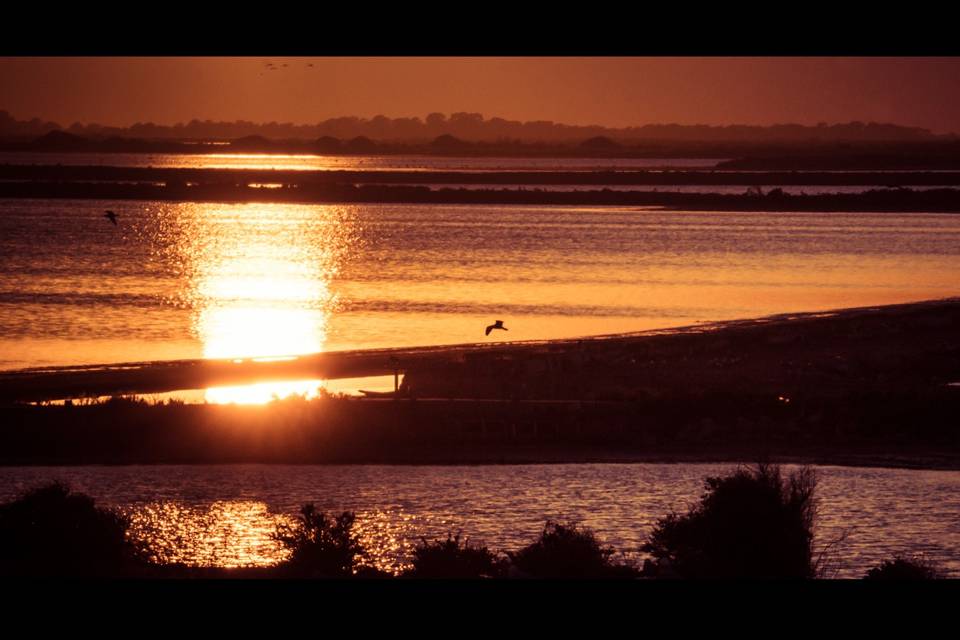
239, 533
263, 392
260, 281
386, 538
222, 534
250, 332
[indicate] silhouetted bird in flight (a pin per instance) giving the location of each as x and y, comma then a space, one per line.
496, 325
111, 216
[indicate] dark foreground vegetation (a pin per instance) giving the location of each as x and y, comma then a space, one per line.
906, 568
714, 539
50, 531
752, 524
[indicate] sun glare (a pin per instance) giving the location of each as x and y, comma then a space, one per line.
263, 392
261, 287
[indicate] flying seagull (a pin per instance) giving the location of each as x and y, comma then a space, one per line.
496, 325
111, 216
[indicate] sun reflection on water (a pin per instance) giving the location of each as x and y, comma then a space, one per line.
385, 537
263, 392
240, 533
260, 284
224, 534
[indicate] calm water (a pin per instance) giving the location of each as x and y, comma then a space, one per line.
224, 515
188, 280
350, 163
813, 189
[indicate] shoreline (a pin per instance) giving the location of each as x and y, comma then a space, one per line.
82, 174
886, 200
869, 386
160, 376
920, 462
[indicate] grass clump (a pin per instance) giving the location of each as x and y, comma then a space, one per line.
902, 569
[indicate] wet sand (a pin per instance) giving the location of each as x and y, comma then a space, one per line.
900, 331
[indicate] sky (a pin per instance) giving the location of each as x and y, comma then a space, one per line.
615, 92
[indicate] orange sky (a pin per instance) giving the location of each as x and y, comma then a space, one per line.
606, 91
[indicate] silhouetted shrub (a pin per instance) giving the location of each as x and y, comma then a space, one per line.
51, 532
566, 551
752, 524
454, 559
320, 547
903, 569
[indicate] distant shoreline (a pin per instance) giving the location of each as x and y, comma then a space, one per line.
883, 191
874, 201
649, 176
919, 461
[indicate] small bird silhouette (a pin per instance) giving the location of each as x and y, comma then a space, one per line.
496, 325
111, 216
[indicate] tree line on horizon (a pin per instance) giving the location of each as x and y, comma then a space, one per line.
474, 128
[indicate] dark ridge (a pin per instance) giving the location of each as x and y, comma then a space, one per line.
877, 200
942, 158
675, 177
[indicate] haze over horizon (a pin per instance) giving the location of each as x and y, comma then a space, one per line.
609, 92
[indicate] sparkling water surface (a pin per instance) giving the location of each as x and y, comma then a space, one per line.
224, 515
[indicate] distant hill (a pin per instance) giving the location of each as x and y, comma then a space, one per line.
474, 128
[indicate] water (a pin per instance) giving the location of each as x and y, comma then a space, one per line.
224, 515
295, 162
794, 190
190, 280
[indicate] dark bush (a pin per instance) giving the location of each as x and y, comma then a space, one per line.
905, 569
321, 547
566, 551
454, 559
752, 524
51, 532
